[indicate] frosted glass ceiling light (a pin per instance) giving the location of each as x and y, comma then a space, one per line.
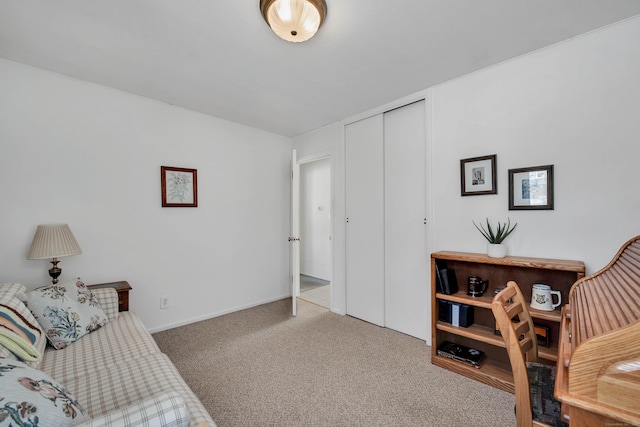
294, 20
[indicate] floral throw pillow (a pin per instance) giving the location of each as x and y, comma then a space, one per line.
66, 312
29, 397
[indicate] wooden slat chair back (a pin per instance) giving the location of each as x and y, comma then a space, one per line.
516, 326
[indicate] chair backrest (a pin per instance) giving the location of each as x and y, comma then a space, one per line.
512, 315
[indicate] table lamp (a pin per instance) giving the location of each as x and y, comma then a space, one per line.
53, 241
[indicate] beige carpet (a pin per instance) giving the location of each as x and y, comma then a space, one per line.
262, 367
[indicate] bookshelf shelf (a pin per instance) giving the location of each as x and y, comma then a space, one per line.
496, 369
492, 372
476, 332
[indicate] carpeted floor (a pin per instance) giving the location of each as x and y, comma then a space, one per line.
263, 367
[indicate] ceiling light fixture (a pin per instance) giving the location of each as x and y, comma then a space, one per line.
294, 20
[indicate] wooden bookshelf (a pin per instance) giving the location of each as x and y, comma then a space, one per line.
481, 335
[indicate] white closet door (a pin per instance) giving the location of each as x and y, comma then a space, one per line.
365, 220
406, 261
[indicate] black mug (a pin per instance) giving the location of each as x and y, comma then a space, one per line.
476, 286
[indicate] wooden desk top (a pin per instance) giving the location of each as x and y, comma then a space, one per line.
619, 386
602, 377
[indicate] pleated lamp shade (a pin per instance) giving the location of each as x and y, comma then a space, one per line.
294, 20
53, 241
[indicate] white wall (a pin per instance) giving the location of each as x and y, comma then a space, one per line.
574, 105
90, 156
87, 155
315, 220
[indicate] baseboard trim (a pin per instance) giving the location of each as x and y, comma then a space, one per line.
217, 314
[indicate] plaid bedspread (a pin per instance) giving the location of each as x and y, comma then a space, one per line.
119, 368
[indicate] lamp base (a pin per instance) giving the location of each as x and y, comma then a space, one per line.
55, 271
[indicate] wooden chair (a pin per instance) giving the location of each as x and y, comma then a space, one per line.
516, 326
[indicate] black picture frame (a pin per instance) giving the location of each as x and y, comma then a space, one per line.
478, 176
531, 188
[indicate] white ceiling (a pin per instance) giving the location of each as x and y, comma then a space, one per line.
220, 58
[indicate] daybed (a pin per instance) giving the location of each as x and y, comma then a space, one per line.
111, 372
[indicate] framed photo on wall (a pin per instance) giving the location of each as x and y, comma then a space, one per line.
179, 187
478, 176
531, 188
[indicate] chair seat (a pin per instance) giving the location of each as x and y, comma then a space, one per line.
544, 406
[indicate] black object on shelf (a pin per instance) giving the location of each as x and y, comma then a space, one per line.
461, 353
444, 311
461, 315
447, 283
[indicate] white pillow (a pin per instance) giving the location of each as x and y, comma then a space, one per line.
31, 397
66, 312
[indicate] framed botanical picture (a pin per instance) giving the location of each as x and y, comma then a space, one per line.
179, 187
531, 188
478, 176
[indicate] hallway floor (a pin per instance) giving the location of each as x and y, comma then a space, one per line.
316, 291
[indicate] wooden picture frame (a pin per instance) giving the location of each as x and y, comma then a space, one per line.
179, 187
531, 188
478, 176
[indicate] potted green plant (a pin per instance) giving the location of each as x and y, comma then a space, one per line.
495, 237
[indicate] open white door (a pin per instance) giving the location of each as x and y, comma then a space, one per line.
294, 239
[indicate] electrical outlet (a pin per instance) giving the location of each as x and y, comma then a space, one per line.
164, 301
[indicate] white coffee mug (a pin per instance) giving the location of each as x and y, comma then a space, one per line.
541, 297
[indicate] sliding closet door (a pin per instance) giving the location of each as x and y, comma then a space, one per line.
406, 257
365, 220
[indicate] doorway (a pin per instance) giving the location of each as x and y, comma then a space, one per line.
315, 232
